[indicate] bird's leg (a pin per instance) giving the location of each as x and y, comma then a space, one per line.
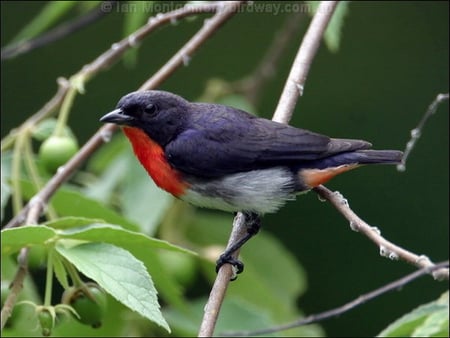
252, 222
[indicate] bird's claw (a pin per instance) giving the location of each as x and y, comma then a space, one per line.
237, 265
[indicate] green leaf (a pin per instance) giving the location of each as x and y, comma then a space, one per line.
71, 222
115, 234
16, 238
60, 271
69, 202
51, 13
120, 274
428, 320
142, 247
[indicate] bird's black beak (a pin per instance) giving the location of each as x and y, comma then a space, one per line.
117, 116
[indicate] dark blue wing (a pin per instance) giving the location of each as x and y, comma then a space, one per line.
225, 142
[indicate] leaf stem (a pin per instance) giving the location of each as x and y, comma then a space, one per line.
49, 279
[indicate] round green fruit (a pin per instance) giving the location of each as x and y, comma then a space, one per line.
91, 310
56, 151
47, 322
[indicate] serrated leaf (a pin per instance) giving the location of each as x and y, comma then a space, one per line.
15, 239
120, 274
142, 247
50, 14
427, 320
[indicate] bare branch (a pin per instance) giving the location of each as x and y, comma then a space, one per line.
395, 285
417, 132
295, 82
387, 249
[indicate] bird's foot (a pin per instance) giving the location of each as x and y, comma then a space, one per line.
226, 258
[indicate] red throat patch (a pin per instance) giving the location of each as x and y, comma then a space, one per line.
152, 158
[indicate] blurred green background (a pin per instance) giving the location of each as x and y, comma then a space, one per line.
392, 62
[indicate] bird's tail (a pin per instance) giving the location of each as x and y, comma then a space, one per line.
357, 157
375, 156
320, 171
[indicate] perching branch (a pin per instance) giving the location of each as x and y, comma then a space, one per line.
295, 82
30, 213
395, 285
387, 249
296, 79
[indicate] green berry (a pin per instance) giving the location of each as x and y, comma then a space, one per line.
91, 311
56, 151
47, 321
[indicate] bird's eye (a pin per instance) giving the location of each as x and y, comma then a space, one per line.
151, 109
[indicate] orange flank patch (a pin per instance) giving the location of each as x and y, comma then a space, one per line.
314, 177
152, 158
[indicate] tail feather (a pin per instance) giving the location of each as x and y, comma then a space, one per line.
377, 156
357, 157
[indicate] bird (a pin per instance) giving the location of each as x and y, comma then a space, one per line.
221, 157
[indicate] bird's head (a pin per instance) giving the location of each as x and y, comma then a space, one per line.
159, 114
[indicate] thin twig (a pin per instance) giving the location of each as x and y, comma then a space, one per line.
387, 249
304, 58
395, 285
417, 132
57, 33
185, 53
295, 82
33, 209
22, 270
220, 286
